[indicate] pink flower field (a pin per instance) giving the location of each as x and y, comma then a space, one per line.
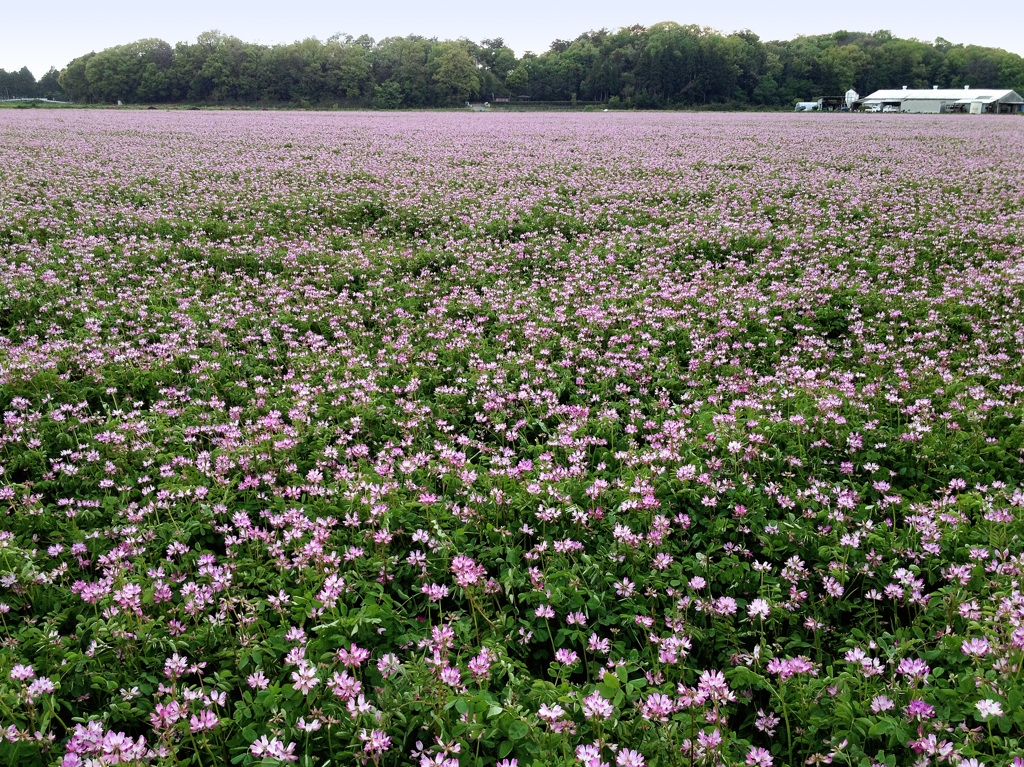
467, 440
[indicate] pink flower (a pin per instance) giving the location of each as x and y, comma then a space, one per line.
389, 665
881, 703
375, 741
566, 657
914, 668
759, 608
657, 708
41, 686
167, 714
710, 741
274, 748
627, 757
932, 746
480, 665
435, 592
551, 714
624, 588
206, 720
766, 722
713, 684
438, 760
354, 656
175, 666
467, 572
596, 707
759, 757
345, 686
976, 647
451, 676
305, 679
21, 672
918, 709
589, 756
989, 707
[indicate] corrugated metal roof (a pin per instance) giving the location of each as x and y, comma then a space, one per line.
959, 95
990, 99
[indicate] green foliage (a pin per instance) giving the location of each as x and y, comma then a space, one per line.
665, 65
455, 74
712, 473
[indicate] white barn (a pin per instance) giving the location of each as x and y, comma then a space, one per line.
942, 100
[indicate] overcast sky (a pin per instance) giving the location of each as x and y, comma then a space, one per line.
45, 34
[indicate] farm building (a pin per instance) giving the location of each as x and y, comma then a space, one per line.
942, 100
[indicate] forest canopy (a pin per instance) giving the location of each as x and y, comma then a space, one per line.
666, 65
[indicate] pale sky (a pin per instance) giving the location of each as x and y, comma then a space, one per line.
41, 35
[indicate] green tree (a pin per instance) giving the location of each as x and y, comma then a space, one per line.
518, 81
405, 60
841, 68
387, 95
613, 73
74, 81
215, 68
154, 85
666, 64
669, 64
346, 69
573, 66
20, 84
112, 75
117, 74
455, 73
49, 86
503, 62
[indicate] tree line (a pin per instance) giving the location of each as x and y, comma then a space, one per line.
23, 84
666, 65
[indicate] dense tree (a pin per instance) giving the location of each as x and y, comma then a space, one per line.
119, 73
518, 80
455, 73
404, 60
665, 65
346, 69
18, 85
216, 68
48, 86
73, 80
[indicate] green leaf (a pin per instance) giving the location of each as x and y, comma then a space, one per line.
518, 730
884, 727
1015, 699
